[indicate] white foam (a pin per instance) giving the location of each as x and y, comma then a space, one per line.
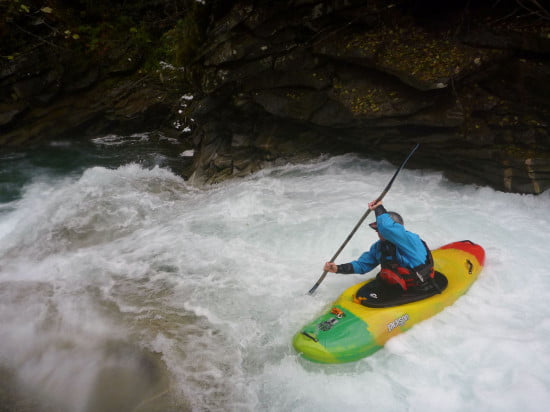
187, 153
215, 280
118, 140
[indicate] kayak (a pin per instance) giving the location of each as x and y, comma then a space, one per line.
368, 314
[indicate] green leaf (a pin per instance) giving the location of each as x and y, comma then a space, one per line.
46, 10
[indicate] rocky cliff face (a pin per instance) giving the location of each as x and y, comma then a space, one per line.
46, 96
79, 69
470, 85
295, 78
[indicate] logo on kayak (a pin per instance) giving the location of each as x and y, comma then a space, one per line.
327, 324
398, 322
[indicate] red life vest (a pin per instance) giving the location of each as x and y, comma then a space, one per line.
394, 274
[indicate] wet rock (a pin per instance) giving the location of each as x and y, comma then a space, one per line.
510, 36
8, 112
293, 103
82, 79
356, 77
421, 59
293, 78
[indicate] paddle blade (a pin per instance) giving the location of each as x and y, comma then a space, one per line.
314, 288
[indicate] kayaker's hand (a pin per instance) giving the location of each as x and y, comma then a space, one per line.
374, 204
331, 267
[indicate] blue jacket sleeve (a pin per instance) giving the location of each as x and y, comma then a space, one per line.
410, 249
368, 260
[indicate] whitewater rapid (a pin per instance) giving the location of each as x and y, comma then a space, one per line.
128, 289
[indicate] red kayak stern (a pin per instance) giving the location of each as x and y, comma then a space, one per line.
469, 247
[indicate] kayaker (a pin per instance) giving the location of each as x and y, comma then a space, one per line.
405, 260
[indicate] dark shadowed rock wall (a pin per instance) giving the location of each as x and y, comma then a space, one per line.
294, 77
81, 68
284, 80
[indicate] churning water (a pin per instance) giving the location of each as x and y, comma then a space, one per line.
122, 287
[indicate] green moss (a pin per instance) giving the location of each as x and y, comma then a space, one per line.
144, 30
412, 50
363, 101
179, 46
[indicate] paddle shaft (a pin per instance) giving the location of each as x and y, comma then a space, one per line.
379, 198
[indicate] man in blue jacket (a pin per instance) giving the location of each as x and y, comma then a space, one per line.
404, 258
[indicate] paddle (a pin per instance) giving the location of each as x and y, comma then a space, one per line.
314, 288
